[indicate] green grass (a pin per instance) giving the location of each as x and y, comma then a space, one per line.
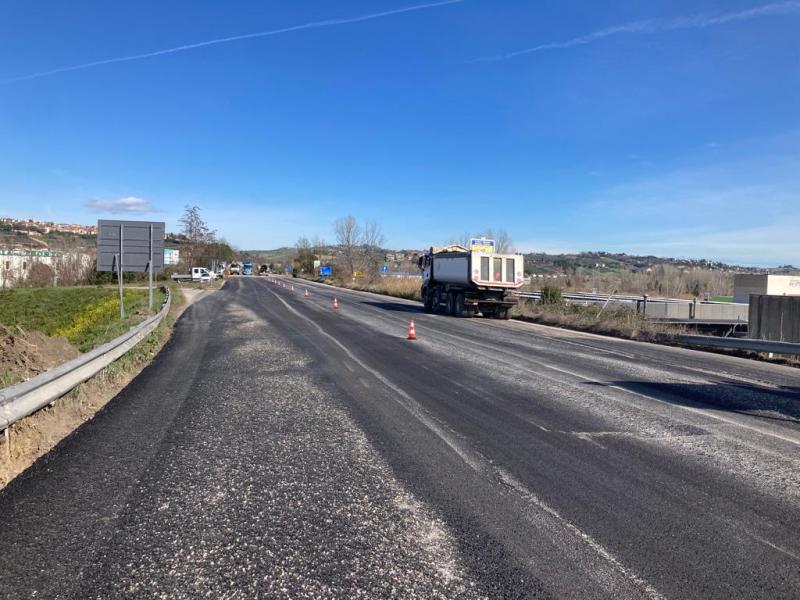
86, 316
722, 298
7, 378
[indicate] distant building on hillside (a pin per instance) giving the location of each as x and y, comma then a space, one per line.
16, 263
745, 284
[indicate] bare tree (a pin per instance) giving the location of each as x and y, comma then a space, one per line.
198, 235
372, 241
73, 268
39, 275
460, 240
503, 243
318, 244
348, 237
305, 255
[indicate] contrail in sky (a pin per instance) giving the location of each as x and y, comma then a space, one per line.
235, 38
657, 25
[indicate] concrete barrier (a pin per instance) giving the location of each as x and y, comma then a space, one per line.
775, 318
721, 311
701, 311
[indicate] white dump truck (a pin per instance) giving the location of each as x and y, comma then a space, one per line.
463, 282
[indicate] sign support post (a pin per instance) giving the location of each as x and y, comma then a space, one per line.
150, 273
120, 271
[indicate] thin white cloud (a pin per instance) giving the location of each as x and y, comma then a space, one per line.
236, 38
128, 204
658, 25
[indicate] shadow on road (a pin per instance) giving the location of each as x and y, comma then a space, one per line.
396, 306
734, 397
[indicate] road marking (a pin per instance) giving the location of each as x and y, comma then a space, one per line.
556, 338
704, 412
534, 423
780, 549
700, 411
532, 498
411, 405
482, 466
586, 436
526, 326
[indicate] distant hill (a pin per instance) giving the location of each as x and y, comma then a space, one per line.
541, 263
281, 255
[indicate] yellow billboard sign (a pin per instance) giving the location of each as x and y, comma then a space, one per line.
482, 245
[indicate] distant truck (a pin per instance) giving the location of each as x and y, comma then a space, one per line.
236, 269
247, 268
462, 282
198, 274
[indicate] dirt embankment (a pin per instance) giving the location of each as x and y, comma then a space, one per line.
25, 354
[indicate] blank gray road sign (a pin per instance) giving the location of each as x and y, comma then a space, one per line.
135, 245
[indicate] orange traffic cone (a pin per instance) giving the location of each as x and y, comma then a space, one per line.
335, 303
306, 294
412, 334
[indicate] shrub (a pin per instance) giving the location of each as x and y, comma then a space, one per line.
552, 295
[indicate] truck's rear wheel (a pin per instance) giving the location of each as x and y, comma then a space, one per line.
450, 305
458, 309
427, 301
502, 313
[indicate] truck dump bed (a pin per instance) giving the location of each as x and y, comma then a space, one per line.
456, 264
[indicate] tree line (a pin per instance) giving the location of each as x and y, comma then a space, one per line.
358, 249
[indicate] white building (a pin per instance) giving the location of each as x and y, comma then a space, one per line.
745, 284
15, 263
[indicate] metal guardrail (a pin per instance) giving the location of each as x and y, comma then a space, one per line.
23, 399
676, 310
738, 344
592, 297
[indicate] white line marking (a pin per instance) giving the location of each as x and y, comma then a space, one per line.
515, 484
411, 405
700, 411
480, 466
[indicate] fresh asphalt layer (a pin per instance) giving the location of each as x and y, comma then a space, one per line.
280, 448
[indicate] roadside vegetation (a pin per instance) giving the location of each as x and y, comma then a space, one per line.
399, 287
553, 310
658, 280
37, 434
86, 316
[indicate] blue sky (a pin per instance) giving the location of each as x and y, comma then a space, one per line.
662, 127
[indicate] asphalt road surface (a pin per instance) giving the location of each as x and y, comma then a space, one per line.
280, 448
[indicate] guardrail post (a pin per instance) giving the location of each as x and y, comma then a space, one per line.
7, 435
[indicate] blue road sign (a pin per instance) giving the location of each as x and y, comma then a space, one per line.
326, 271
385, 269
